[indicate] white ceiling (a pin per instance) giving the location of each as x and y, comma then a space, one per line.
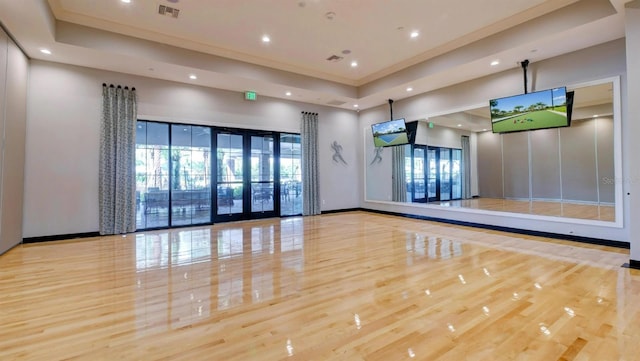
220, 41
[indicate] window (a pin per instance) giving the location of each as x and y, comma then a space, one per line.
189, 174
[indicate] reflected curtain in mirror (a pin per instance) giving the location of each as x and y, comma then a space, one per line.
310, 180
398, 183
117, 160
466, 167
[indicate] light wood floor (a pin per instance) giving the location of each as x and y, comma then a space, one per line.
544, 208
345, 286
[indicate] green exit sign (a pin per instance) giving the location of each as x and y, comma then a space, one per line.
250, 95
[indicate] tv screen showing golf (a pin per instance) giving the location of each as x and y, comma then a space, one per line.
390, 133
537, 110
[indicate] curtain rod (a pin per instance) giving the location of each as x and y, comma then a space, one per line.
119, 86
309, 113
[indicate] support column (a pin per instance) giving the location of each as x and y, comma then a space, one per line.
631, 184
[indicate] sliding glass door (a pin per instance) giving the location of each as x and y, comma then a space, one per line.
188, 174
290, 175
173, 175
444, 174
191, 175
229, 175
418, 181
262, 174
434, 175
246, 175
433, 181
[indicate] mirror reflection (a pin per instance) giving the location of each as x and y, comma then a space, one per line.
457, 161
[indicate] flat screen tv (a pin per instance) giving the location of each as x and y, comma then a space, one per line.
390, 133
536, 110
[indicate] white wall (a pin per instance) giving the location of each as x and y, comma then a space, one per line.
63, 126
599, 62
14, 73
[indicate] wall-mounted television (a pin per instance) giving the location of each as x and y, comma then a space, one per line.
390, 133
537, 110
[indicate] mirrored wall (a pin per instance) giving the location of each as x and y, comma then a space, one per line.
567, 172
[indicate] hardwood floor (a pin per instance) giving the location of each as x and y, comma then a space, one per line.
602, 212
345, 286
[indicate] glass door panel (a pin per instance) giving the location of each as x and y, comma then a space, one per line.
445, 174
408, 174
290, 175
262, 173
190, 181
419, 174
230, 173
432, 174
152, 175
456, 175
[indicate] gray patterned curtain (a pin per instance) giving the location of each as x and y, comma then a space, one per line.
117, 160
466, 168
310, 180
398, 180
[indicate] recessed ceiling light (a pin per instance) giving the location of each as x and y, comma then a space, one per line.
495, 62
45, 51
126, 1
409, 89
287, 94
266, 39
459, 125
355, 105
193, 77
415, 34
354, 64
484, 130
595, 115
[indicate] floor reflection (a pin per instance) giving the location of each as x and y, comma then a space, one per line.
348, 286
590, 211
215, 269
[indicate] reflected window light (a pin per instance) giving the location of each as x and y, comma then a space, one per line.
445, 249
544, 329
486, 272
537, 285
433, 248
356, 319
485, 310
427, 292
569, 311
451, 328
411, 353
457, 248
461, 278
289, 347
515, 296
599, 300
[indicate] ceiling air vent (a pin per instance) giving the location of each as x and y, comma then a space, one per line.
168, 11
335, 58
